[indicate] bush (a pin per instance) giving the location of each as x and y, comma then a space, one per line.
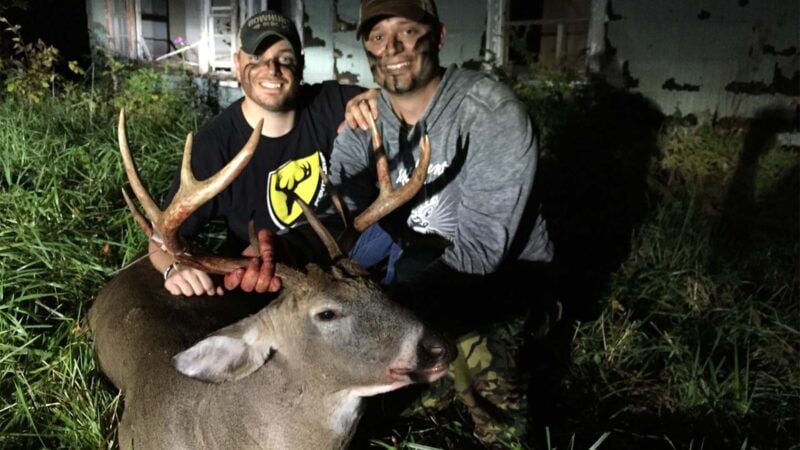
30, 75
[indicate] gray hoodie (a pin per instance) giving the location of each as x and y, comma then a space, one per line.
483, 161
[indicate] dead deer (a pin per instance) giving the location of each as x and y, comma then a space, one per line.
225, 373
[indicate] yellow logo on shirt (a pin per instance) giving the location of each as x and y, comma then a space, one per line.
300, 178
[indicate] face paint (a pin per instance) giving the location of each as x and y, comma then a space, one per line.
270, 79
403, 54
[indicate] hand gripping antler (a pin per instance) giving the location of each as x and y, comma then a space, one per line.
190, 196
388, 198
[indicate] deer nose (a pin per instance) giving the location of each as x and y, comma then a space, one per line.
435, 349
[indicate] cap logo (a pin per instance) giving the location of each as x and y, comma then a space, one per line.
267, 20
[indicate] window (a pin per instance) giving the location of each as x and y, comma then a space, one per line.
549, 32
155, 27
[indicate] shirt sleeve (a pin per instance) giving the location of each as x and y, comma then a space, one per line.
500, 169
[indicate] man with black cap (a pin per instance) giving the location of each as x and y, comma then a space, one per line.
456, 251
300, 123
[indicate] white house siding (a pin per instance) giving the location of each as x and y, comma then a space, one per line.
729, 57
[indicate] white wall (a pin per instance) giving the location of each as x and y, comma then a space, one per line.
714, 55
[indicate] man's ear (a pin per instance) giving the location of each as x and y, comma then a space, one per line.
236, 65
442, 35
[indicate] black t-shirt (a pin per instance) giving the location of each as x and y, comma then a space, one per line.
288, 163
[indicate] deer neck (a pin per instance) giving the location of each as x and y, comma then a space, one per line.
326, 415
346, 408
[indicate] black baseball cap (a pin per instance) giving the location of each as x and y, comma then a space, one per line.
267, 24
418, 10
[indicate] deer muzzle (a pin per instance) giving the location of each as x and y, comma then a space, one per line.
434, 354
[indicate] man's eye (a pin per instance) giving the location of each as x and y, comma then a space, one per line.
286, 61
376, 38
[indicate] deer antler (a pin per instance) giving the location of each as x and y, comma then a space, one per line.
389, 198
163, 227
190, 196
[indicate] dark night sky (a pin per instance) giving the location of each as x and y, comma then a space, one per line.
60, 23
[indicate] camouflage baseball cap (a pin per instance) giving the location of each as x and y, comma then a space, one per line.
266, 24
371, 10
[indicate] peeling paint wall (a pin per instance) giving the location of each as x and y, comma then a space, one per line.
730, 57
333, 52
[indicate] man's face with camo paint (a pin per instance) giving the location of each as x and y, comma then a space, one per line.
270, 78
403, 54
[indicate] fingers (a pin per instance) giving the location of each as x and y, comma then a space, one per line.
265, 244
354, 117
275, 284
189, 282
259, 275
267, 280
265, 276
360, 108
233, 279
250, 277
365, 110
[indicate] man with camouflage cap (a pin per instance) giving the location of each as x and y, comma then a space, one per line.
455, 252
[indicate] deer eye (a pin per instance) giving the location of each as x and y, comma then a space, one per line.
326, 315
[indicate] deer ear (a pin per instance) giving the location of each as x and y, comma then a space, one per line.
226, 356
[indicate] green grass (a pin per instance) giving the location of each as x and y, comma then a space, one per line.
63, 232
694, 343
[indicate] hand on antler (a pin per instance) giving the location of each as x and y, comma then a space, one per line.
259, 275
360, 110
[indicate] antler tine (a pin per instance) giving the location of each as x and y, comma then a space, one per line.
191, 192
390, 199
324, 235
336, 199
140, 219
150, 207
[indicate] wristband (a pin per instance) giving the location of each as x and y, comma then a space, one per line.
169, 269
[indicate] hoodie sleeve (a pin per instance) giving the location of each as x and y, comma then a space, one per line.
499, 172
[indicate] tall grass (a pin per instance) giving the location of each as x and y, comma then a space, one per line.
63, 232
